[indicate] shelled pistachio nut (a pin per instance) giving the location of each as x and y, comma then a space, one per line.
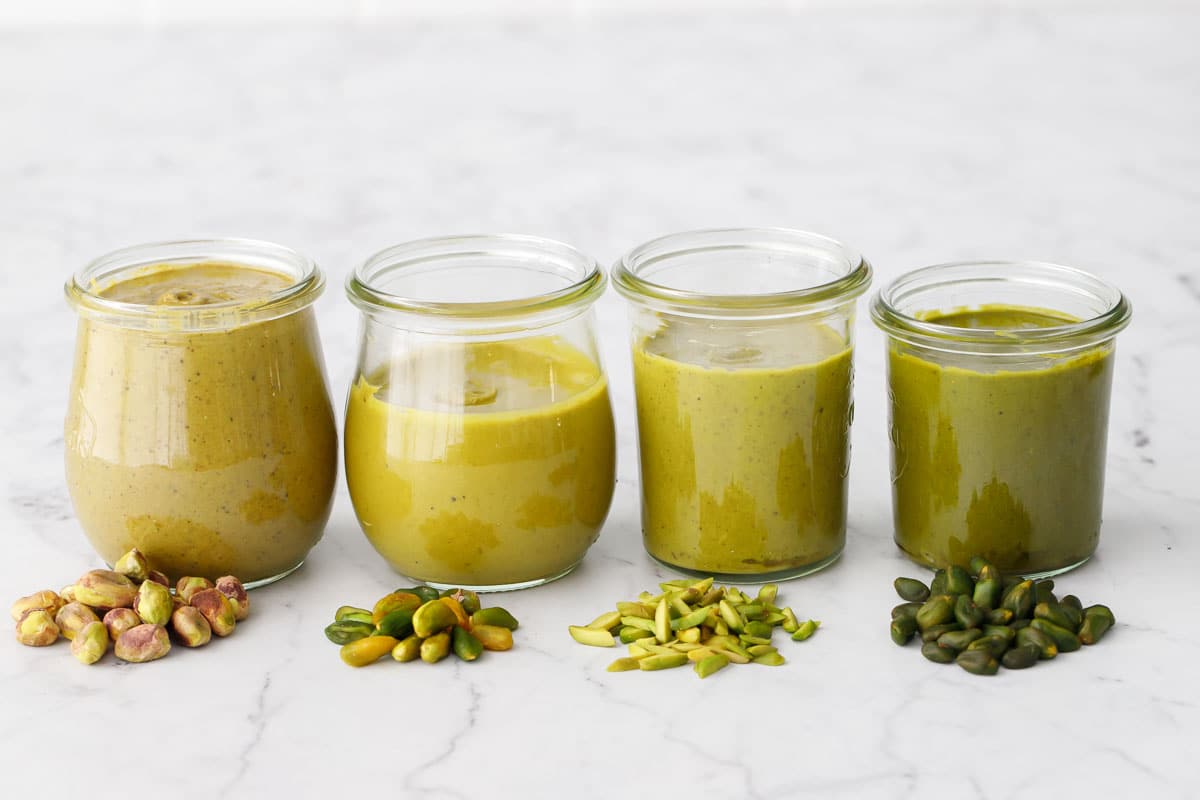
119, 620
102, 588
143, 643
90, 643
217, 609
189, 585
36, 628
45, 600
153, 603
190, 626
133, 565
367, 651
233, 589
72, 617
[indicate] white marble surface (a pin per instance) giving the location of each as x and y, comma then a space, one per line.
918, 137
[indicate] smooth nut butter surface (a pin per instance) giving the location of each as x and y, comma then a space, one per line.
744, 446
1006, 463
482, 464
213, 452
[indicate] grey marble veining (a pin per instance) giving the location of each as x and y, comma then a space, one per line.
918, 137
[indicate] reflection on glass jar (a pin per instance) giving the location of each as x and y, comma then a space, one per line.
480, 449
742, 353
999, 381
199, 427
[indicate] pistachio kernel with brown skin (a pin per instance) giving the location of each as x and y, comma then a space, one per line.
102, 588
159, 577
232, 588
189, 585
72, 618
36, 628
90, 643
45, 599
190, 626
133, 565
217, 609
119, 620
143, 643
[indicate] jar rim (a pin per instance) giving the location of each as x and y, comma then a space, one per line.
786, 242
307, 281
586, 279
886, 313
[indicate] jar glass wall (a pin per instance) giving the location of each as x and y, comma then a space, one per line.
480, 448
199, 427
999, 377
743, 374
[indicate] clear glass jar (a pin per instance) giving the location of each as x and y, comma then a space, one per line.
999, 376
199, 427
480, 449
743, 373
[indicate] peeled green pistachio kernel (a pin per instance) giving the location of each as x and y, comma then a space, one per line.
790, 623
938, 654
710, 664
806, 629
934, 633
432, 617
624, 664
749, 641
713, 596
144, 643
911, 589
1096, 622
761, 650
348, 630
662, 661
991, 573
133, 565
102, 588
977, 564
466, 646
690, 620
217, 609
188, 585
232, 588
677, 606
689, 636
45, 600
1071, 601
978, 662
425, 593
634, 610
36, 628
902, 630
435, 648
397, 624
1021, 657
1019, 599
158, 577
639, 622
967, 613
769, 660
1053, 612
1017, 624
356, 615
72, 618
987, 593
1043, 592
1064, 640
119, 620
662, 621
496, 638
767, 593
992, 645
1000, 630
1072, 616
591, 636
90, 643
1031, 636
938, 584
959, 640
937, 610
999, 616
730, 615
190, 626
958, 581
906, 610
366, 651
153, 603
468, 599
752, 611
407, 649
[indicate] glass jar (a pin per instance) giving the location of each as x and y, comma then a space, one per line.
999, 375
199, 427
743, 374
480, 449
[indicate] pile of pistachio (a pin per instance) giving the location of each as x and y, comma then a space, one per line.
421, 622
130, 606
709, 626
980, 620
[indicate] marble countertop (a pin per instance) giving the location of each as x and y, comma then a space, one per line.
918, 137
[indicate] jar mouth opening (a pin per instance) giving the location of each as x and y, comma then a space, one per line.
1101, 310
742, 271
84, 288
477, 276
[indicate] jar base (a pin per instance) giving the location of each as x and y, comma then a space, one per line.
1035, 575
268, 581
494, 587
752, 578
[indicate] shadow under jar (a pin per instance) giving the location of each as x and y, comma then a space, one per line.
743, 374
480, 449
199, 426
999, 376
